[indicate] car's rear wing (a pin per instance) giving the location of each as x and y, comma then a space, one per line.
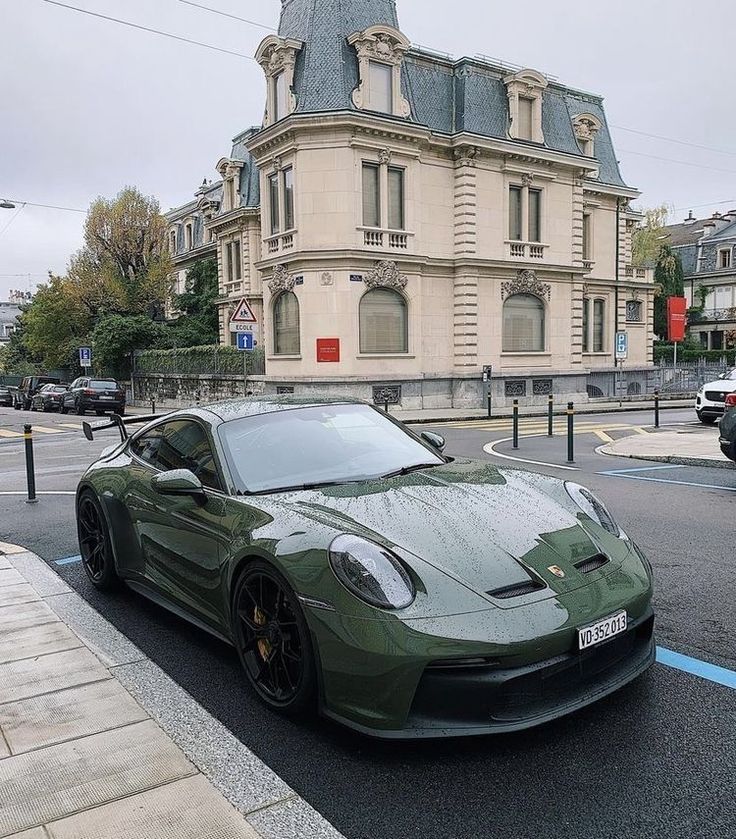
117, 422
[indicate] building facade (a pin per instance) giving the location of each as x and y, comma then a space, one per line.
403, 219
707, 249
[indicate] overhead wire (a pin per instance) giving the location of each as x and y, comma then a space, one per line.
231, 16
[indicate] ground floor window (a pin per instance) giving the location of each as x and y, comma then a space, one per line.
384, 326
286, 324
599, 325
523, 324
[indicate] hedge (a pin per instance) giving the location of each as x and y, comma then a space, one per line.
666, 352
205, 360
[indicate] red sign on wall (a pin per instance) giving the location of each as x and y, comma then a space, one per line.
676, 318
328, 349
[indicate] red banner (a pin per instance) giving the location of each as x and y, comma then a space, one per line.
676, 318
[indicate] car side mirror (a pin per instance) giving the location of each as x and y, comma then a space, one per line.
721, 375
434, 440
179, 482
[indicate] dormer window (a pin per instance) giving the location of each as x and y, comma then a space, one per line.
586, 126
724, 258
277, 56
380, 51
172, 242
189, 236
525, 91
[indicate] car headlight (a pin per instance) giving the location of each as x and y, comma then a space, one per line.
593, 507
371, 573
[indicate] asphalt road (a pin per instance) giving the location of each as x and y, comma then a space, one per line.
654, 760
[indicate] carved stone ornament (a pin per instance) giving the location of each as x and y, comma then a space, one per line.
277, 164
281, 280
386, 275
526, 282
586, 126
384, 156
326, 278
467, 155
527, 179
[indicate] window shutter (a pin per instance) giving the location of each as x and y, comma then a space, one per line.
523, 324
286, 324
381, 87
383, 322
371, 196
515, 213
396, 199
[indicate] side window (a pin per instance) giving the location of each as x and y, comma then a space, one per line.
184, 445
146, 446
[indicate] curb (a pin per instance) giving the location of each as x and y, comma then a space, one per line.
271, 808
675, 460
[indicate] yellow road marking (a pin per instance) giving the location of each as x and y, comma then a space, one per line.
75, 425
603, 436
41, 429
639, 430
5, 433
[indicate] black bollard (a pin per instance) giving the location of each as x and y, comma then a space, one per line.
489, 404
570, 432
550, 415
516, 423
30, 471
656, 409
385, 405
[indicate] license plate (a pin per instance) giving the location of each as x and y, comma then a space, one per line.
601, 631
107, 397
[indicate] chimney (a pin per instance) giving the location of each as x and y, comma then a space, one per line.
709, 229
690, 219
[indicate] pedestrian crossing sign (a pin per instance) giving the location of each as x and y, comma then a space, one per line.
243, 313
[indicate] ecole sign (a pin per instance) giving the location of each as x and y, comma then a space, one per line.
243, 319
328, 349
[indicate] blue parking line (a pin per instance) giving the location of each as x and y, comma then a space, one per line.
639, 469
703, 669
70, 560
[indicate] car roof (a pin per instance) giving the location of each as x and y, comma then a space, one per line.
233, 409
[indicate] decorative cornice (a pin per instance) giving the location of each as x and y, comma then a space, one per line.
281, 280
526, 282
386, 275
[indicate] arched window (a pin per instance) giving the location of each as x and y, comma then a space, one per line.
523, 324
384, 324
286, 324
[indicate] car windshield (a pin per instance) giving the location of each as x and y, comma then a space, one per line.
318, 445
103, 385
731, 377
57, 388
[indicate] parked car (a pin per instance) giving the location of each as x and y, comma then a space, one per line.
28, 388
49, 398
6, 396
359, 571
711, 399
727, 429
98, 395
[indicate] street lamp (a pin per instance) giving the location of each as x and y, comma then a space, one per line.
7, 205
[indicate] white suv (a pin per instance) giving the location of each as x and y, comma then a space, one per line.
710, 402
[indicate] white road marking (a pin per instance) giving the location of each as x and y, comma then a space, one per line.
489, 449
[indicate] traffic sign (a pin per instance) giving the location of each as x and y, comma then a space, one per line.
246, 341
243, 313
85, 356
622, 346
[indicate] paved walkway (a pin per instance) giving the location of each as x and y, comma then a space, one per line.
81, 757
690, 447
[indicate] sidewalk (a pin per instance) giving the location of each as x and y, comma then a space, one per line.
691, 447
97, 743
433, 415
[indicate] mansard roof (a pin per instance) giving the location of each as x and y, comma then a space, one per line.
448, 96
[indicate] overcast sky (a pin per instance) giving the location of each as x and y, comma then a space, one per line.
88, 106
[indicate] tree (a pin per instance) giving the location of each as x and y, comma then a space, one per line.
650, 236
669, 277
116, 336
199, 323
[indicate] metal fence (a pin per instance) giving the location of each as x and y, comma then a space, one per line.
667, 378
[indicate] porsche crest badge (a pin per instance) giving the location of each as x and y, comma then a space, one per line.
556, 570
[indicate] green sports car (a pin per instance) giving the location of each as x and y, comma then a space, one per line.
359, 571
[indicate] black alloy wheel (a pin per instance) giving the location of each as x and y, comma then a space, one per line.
272, 640
94, 543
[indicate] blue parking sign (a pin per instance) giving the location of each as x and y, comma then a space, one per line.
622, 345
245, 340
85, 356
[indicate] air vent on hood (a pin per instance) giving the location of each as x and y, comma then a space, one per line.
592, 563
517, 590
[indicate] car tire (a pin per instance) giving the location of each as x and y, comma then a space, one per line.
120, 412
16, 406
95, 545
33, 408
707, 419
273, 641
80, 410
63, 410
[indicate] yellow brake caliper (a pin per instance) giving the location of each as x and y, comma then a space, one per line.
264, 646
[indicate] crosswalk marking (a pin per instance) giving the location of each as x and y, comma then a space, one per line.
42, 429
75, 425
5, 433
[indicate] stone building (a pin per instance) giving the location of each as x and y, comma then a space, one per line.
403, 218
707, 249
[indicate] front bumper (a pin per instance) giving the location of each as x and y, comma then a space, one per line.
709, 408
102, 405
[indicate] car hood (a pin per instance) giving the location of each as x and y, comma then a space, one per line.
722, 385
487, 528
